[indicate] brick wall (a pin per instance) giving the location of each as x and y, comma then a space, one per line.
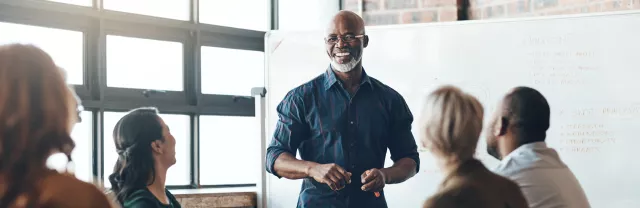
387, 12
223, 198
491, 9
229, 200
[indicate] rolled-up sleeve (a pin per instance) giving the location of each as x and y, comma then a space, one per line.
291, 130
403, 144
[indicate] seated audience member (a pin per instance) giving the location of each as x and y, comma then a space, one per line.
146, 150
451, 124
516, 136
37, 114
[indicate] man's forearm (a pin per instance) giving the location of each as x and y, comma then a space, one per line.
401, 170
287, 166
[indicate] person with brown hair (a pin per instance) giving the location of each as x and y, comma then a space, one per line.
37, 114
146, 150
451, 123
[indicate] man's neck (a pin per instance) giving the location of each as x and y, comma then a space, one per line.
157, 188
509, 145
351, 78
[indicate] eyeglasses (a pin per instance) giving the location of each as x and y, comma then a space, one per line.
79, 106
346, 38
79, 109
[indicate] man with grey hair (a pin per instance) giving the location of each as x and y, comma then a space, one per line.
343, 122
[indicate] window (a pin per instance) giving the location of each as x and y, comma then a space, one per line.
82, 135
315, 15
231, 71
64, 46
173, 9
76, 2
144, 63
113, 51
232, 142
247, 14
179, 173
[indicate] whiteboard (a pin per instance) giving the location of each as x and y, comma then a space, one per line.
588, 67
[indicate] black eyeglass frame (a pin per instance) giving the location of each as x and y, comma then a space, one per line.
343, 38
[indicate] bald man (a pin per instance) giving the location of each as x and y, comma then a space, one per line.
342, 122
516, 136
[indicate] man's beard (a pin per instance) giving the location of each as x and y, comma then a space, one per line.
347, 67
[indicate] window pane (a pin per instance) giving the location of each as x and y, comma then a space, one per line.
231, 71
306, 15
144, 64
173, 9
64, 46
179, 174
247, 14
229, 151
82, 154
76, 2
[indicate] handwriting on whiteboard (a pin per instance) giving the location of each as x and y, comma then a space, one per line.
583, 141
591, 149
562, 67
546, 40
632, 111
584, 138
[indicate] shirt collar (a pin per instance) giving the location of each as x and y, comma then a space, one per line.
530, 147
532, 155
330, 78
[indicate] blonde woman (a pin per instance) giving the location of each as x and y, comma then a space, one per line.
451, 126
37, 113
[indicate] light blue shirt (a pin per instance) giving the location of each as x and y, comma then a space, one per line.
544, 179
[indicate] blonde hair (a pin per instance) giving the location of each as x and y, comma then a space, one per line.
36, 115
451, 123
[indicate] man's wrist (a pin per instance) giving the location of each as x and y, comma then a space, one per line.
308, 166
384, 174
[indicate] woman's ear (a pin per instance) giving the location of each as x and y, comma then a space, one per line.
156, 146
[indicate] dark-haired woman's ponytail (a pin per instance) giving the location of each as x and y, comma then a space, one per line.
134, 170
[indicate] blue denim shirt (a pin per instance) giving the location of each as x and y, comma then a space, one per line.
328, 125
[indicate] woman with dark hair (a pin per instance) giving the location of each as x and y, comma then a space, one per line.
37, 114
146, 150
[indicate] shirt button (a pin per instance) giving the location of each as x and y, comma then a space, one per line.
353, 166
353, 144
351, 122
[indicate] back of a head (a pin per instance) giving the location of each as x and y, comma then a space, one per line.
36, 115
451, 123
133, 135
528, 113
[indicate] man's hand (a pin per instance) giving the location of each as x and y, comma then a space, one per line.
331, 174
373, 180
